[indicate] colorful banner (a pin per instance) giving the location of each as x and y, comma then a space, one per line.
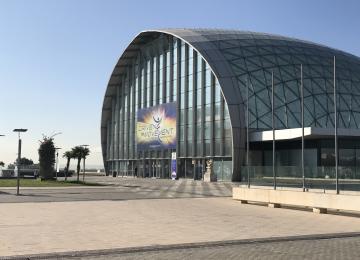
156, 127
173, 166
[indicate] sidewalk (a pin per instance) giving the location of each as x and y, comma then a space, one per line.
34, 228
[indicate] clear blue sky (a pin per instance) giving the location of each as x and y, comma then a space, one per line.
56, 56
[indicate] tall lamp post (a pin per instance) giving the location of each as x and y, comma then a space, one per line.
0, 165
57, 154
57, 161
84, 145
18, 163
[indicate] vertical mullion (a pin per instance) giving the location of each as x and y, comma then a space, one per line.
163, 86
129, 111
122, 117
158, 87
113, 133
117, 116
202, 87
139, 83
133, 109
178, 95
171, 46
212, 101
108, 134
144, 87
222, 124
194, 92
151, 83
126, 130
186, 106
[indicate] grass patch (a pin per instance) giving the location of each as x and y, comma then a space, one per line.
47, 183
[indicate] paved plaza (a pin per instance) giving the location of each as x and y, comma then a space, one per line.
137, 219
120, 189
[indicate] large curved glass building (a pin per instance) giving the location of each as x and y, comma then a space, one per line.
195, 91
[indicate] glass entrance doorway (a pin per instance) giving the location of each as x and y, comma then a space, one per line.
157, 168
191, 168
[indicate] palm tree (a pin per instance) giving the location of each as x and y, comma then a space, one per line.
68, 155
79, 152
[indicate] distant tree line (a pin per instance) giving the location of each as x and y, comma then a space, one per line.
78, 153
47, 159
23, 161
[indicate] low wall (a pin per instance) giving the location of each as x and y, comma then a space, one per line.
298, 198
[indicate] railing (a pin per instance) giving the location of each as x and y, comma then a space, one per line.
320, 177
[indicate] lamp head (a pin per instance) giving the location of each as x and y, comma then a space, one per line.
20, 130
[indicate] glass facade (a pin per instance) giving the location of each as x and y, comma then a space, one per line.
166, 70
208, 74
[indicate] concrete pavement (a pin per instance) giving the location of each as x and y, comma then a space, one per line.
90, 225
345, 247
153, 214
119, 189
332, 248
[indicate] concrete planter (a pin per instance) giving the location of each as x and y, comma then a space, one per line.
320, 202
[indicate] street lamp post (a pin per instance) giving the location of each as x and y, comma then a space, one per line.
0, 165
18, 163
84, 145
57, 154
57, 161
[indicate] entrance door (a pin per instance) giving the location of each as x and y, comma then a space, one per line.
166, 169
158, 168
147, 169
153, 168
199, 170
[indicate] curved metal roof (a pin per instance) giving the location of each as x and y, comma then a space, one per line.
204, 41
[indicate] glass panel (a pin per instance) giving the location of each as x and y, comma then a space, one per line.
182, 100
207, 76
199, 148
189, 132
218, 147
347, 157
207, 127
190, 99
198, 136
217, 168
227, 128
190, 116
190, 84
181, 132
217, 91
207, 95
217, 129
207, 146
228, 147
217, 107
227, 170
327, 157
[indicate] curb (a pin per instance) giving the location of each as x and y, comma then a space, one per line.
132, 250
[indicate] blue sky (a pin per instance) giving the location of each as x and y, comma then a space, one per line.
56, 56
